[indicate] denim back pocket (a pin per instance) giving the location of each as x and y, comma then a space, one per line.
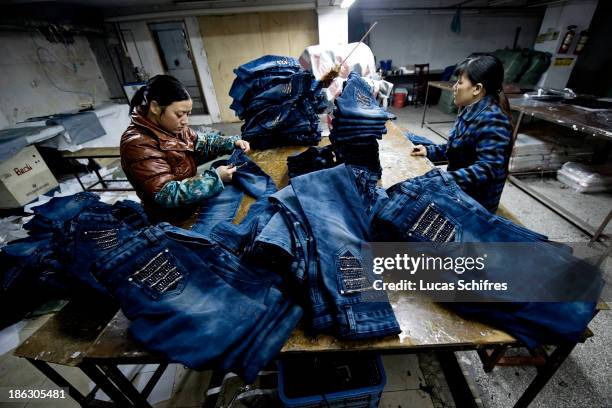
434, 225
104, 239
394, 210
352, 277
160, 275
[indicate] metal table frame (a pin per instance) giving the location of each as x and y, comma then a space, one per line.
445, 86
96, 153
594, 232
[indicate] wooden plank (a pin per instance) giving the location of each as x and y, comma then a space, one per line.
93, 152
65, 338
232, 40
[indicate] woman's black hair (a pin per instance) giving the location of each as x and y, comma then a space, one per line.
164, 89
488, 70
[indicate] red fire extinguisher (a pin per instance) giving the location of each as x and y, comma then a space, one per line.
584, 36
567, 40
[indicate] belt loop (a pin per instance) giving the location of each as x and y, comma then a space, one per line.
150, 234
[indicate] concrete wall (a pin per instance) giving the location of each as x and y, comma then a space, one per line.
41, 78
422, 37
333, 25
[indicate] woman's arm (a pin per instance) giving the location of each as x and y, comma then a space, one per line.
436, 152
491, 151
155, 178
192, 190
210, 144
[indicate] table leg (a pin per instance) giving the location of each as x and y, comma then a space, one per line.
95, 169
600, 229
544, 374
516, 129
425, 107
460, 389
106, 385
60, 381
125, 386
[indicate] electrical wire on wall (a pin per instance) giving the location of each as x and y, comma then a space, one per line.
72, 67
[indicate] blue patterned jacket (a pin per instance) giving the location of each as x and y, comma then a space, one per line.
478, 151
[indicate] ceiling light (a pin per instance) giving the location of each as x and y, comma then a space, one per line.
346, 3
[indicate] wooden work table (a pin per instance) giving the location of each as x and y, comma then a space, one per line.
104, 344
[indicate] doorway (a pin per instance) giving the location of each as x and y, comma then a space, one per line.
176, 56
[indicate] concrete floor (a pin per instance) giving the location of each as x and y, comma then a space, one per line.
585, 379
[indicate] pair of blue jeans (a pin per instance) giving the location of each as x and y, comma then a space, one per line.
95, 231
31, 274
196, 303
357, 101
321, 223
249, 178
433, 208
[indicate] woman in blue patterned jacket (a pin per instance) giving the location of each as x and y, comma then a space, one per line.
480, 142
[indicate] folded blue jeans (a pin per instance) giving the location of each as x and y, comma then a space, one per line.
357, 101
173, 286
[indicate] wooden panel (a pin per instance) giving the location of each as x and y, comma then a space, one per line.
232, 40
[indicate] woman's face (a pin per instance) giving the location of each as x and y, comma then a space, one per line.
174, 117
465, 92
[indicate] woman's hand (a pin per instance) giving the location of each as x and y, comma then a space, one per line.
226, 173
419, 150
242, 144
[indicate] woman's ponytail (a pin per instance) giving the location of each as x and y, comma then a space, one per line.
138, 98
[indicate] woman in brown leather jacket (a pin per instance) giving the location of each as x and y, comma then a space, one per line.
160, 153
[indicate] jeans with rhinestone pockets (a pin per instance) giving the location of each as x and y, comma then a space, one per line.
357, 101
173, 286
249, 178
94, 232
433, 208
329, 224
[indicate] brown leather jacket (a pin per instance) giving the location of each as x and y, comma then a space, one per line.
151, 157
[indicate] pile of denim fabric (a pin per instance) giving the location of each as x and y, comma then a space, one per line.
179, 289
433, 208
66, 236
278, 101
357, 125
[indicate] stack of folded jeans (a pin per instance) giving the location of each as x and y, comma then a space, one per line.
357, 125
278, 102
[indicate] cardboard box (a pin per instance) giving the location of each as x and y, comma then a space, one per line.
23, 178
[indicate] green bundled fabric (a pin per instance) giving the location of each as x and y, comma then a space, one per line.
539, 63
515, 62
445, 103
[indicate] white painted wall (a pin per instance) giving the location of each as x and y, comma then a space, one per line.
427, 38
578, 13
333, 25
33, 69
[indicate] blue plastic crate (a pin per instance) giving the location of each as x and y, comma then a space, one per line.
364, 397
